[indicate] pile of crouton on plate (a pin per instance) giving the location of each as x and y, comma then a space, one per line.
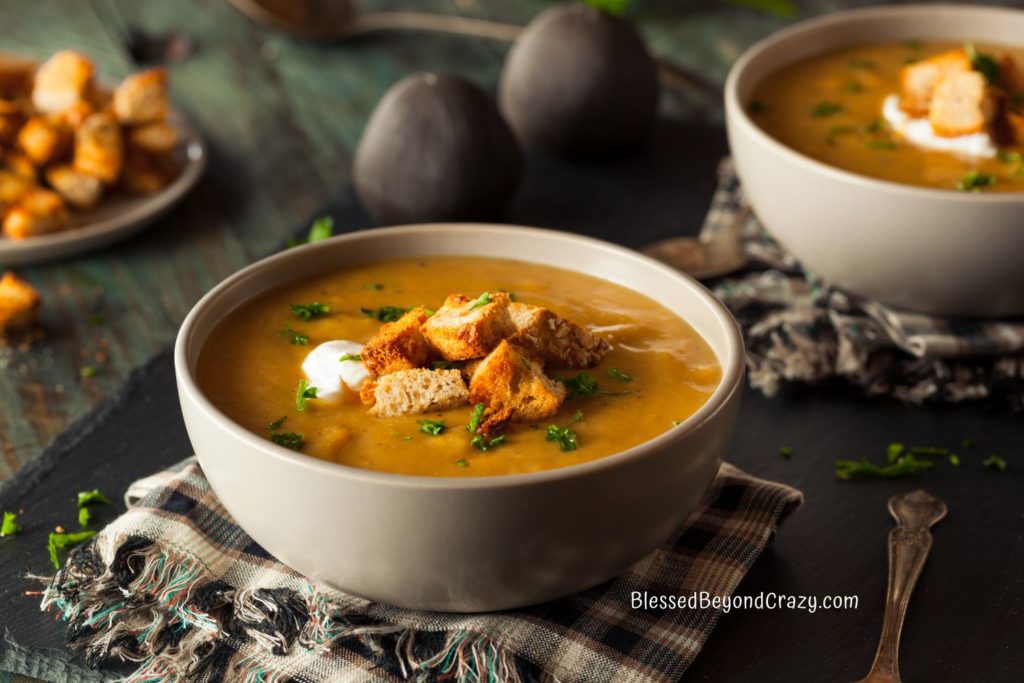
65, 140
500, 347
19, 304
962, 92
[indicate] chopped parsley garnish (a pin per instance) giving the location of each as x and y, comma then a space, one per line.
881, 144
583, 384
385, 314
853, 86
835, 131
277, 424
462, 462
825, 108
321, 229
375, 286
307, 312
481, 444
615, 373
511, 295
876, 126
565, 437
349, 356
985, 64
1011, 157
84, 516
288, 440
757, 107
443, 365
975, 181
61, 541
995, 462
786, 452
94, 497
676, 423
296, 338
88, 371
954, 460
432, 427
476, 417
481, 300
9, 526
303, 394
904, 465
784, 9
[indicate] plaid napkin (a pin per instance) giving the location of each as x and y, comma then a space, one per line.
799, 330
175, 586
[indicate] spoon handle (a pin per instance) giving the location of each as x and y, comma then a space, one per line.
909, 544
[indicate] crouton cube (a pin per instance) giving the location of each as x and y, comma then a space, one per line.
1014, 127
159, 137
37, 212
142, 97
10, 124
1011, 74
21, 166
511, 383
418, 391
19, 303
12, 188
464, 328
99, 148
919, 80
962, 104
43, 140
397, 346
61, 81
77, 189
555, 339
75, 115
145, 173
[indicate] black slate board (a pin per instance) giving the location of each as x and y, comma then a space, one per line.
967, 614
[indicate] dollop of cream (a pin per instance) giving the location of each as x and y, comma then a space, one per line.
919, 132
332, 376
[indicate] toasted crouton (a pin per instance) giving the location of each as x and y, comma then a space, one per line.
75, 115
418, 391
37, 212
1011, 75
397, 346
919, 80
513, 386
158, 138
43, 140
555, 339
145, 173
12, 188
142, 97
962, 104
19, 303
99, 148
61, 81
78, 189
1014, 127
464, 328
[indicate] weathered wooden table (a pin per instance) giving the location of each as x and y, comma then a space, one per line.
283, 117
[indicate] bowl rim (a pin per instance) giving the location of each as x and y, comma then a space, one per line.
731, 358
737, 112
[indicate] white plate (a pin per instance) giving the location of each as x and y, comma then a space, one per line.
116, 216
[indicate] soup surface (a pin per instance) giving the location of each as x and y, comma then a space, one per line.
659, 371
829, 107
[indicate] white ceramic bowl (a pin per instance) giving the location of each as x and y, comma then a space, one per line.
929, 250
463, 544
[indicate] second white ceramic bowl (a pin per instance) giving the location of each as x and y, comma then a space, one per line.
463, 544
928, 250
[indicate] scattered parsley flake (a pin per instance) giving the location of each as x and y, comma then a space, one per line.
835, 131
432, 427
88, 371
385, 314
84, 516
303, 394
676, 423
476, 417
288, 440
985, 64
277, 424
307, 312
565, 437
615, 8
893, 451
481, 444
825, 108
349, 356
786, 452
881, 144
853, 86
462, 462
9, 526
995, 462
954, 460
94, 497
295, 338
321, 229
375, 286
443, 365
783, 9
975, 181
582, 384
1011, 157
903, 466
481, 300
615, 373
61, 541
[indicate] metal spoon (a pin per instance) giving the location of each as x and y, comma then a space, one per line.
707, 256
909, 543
340, 20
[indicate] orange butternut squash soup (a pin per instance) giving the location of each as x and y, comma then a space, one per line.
932, 114
456, 367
